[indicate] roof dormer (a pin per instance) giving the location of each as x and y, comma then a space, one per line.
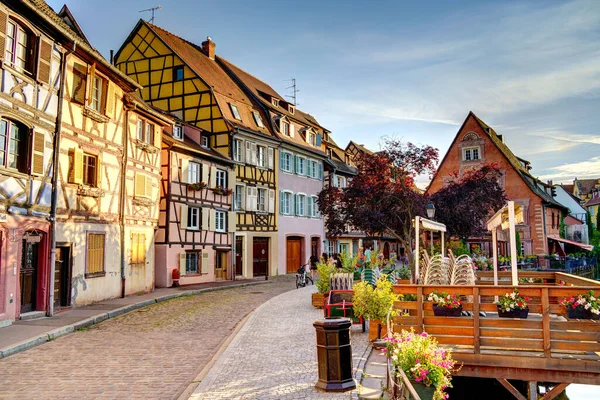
275, 101
291, 108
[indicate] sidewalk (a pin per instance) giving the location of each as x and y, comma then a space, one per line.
23, 335
274, 355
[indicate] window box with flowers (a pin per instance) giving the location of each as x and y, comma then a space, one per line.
221, 190
445, 305
513, 305
584, 306
197, 186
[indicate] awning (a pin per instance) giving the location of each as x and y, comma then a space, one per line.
587, 247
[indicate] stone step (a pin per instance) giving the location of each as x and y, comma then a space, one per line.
32, 315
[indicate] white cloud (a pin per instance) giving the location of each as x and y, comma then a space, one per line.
581, 170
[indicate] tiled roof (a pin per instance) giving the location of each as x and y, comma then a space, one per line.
593, 201
360, 147
225, 89
585, 186
342, 167
568, 188
191, 146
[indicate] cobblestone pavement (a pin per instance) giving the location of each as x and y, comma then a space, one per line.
151, 353
274, 355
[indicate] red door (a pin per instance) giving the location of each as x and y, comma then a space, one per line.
238, 255
260, 256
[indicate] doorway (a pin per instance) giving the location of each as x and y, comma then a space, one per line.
28, 275
238, 255
314, 247
62, 277
260, 256
293, 254
221, 266
386, 250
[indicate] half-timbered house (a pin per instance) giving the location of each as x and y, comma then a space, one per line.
186, 80
30, 65
196, 218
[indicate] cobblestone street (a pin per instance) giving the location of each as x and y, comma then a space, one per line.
151, 353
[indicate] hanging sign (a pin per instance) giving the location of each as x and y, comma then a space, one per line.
32, 238
3, 217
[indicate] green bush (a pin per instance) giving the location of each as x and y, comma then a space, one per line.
374, 303
324, 269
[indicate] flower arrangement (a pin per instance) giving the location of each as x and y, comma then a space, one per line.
419, 356
445, 300
404, 273
584, 306
512, 301
374, 303
222, 190
197, 186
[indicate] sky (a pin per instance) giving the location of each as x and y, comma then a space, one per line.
411, 70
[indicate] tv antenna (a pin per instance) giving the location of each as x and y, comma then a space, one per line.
152, 10
294, 90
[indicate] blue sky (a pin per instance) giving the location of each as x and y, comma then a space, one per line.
412, 70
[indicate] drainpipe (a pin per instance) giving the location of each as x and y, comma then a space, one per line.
55, 161
124, 195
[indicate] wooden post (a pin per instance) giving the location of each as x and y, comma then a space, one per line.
556, 390
511, 389
476, 346
417, 225
513, 242
443, 247
495, 254
546, 323
532, 390
420, 309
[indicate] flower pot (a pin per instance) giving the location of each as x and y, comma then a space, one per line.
404, 281
446, 312
374, 330
318, 300
516, 313
424, 392
580, 313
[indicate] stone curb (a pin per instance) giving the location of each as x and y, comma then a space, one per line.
64, 330
360, 368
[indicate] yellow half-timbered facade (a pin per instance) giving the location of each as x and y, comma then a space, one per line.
186, 79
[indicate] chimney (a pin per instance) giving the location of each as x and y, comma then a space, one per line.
208, 47
550, 183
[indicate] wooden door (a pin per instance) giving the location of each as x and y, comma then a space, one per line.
28, 276
221, 266
260, 256
386, 251
314, 247
62, 277
238, 255
293, 253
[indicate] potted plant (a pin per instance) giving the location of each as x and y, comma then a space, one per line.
445, 305
222, 190
324, 270
584, 306
513, 305
197, 186
404, 274
426, 365
374, 304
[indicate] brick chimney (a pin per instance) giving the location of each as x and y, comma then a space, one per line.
208, 47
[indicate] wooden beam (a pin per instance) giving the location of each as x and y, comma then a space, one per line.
556, 390
532, 390
419, 309
476, 343
511, 389
546, 322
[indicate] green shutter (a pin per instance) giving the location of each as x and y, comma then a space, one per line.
297, 204
309, 206
320, 167
296, 165
281, 160
281, 203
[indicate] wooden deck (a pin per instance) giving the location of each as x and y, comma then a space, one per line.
545, 347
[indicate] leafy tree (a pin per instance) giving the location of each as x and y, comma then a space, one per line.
465, 203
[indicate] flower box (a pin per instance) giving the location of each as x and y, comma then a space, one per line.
425, 392
514, 313
440, 311
580, 313
374, 327
318, 300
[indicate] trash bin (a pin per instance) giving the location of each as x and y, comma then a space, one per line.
334, 354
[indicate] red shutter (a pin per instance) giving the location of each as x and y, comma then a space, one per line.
44, 61
3, 26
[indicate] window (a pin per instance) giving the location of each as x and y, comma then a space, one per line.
285, 161
301, 166
178, 73
79, 83
204, 141
220, 221
145, 131
291, 108
235, 112
90, 170
191, 262
471, 154
341, 182
19, 48
239, 196
286, 203
194, 172
344, 248
95, 254
177, 132
301, 206
193, 216
258, 119
261, 156
313, 207
313, 169
285, 128
275, 102
312, 138
13, 145
331, 247
97, 93
221, 180
143, 186
238, 147
138, 248
261, 204
149, 138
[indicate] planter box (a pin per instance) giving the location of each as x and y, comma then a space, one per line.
404, 281
424, 392
516, 313
580, 313
318, 299
446, 312
374, 329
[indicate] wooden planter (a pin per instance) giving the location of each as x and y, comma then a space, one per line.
580, 313
374, 329
445, 311
424, 392
516, 313
318, 300
403, 281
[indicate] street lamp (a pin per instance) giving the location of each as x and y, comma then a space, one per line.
430, 208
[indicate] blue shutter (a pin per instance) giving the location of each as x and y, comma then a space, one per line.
320, 167
281, 160
309, 206
296, 204
281, 204
318, 140
295, 168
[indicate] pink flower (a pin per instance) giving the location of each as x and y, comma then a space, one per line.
424, 334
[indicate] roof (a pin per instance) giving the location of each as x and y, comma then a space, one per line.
70, 20
55, 20
584, 246
593, 201
585, 186
226, 91
141, 105
342, 167
568, 188
360, 147
193, 147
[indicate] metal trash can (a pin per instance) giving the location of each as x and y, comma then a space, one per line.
334, 354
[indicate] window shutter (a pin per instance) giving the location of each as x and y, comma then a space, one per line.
184, 171
253, 150
281, 203
231, 179
205, 169
182, 259
292, 129
3, 26
297, 204
76, 166
205, 262
158, 136
270, 153
110, 100
248, 198
296, 167
231, 220
98, 171
148, 188
318, 140
90, 85
281, 160
205, 215
44, 60
213, 176
37, 154
248, 152
212, 221
320, 170
184, 217
271, 200
309, 206
134, 248
140, 185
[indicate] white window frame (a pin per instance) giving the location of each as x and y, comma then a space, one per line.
275, 102
204, 141
265, 199
194, 172
97, 93
194, 212
261, 156
189, 262
177, 132
315, 207
258, 119
287, 197
289, 158
238, 150
285, 128
235, 112
301, 204
302, 162
312, 170
469, 151
312, 138
221, 178
220, 221
237, 202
